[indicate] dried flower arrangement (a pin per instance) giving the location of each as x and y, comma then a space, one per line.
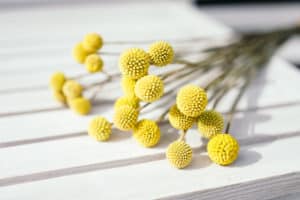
236, 63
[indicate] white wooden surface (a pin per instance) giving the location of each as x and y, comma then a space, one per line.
45, 151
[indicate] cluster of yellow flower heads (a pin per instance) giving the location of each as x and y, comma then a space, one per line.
190, 107
138, 86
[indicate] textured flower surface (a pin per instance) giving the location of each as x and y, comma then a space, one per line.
125, 118
59, 96
210, 123
93, 63
191, 100
100, 128
179, 154
80, 105
179, 120
149, 88
92, 42
72, 89
134, 63
79, 53
147, 133
57, 81
161, 53
128, 85
223, 149
127, 100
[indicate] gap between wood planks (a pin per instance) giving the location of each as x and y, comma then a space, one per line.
127, 162
84, 133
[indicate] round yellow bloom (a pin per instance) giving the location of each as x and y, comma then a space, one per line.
147, 133
161, 53
210, 123
223, 149
128, 85
129, 101
134, 63
59, 96
72, 89
191, 100
80, 105
179, 120
179, 154
100, 129
149, 88
57, 81
93, 63
92, 42
125, 118
79, 53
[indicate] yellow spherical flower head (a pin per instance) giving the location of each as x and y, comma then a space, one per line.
179, 154
125, 118
79, 53
72, 89
161, 53
100, 128
93, 63
149, 88
59, 96
80, 105
92, 42
223, 149
57, 81
147, 133
210, 123
127, 101
179, 120
191, 100
134, 63
128, 85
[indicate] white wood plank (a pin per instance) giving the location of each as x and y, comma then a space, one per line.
274, 164
254, 126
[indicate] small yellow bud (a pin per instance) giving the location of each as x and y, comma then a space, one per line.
59, 96
223, 149
125, 118
147, 133
80, 105
72, 89
57, 81
210, 123
134, 63
128, 85
191, 100
93, 63
92, 42
127, 101
100, 128
161, 53
179, 120
79, 53
179, 154
149, 88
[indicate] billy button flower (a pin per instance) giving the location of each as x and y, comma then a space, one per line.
100, 128
179, 153
127, 85
59, 96
79, 53
125, 117
72, 89
127, 100
92, 42
93, 63
57, 81
134, 63
191, 100
210, 123
80, 105
147, 133
223, 149
179, 120
149, 88
161, 53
